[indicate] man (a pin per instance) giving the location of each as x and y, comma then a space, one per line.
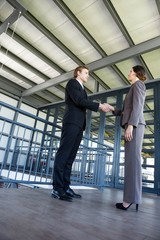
74, 123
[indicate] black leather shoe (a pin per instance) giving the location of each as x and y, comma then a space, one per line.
72, 194
61, 196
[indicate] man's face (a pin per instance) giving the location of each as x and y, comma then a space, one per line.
83, 75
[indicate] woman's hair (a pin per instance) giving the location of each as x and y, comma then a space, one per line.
79, 69
140, 72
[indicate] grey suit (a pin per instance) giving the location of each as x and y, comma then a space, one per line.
132, 114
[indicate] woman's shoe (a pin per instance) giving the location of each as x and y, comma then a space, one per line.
120, 206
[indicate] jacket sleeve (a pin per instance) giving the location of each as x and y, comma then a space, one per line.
73, 89
138, 103
117, 112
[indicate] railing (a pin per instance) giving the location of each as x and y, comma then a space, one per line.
35, 166
27, 155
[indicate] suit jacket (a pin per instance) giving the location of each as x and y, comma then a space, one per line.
77, 102
132, 113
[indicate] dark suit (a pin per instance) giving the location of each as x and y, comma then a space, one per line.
132, 114
74, 122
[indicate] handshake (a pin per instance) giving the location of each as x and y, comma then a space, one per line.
105, 107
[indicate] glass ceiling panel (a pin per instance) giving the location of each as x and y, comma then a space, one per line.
46, 12
56, 92
99, 23
5, 9
20, 69
34, 37
83, 50
126, 66
76, 42
91, 83
14, 79
18, 50
141, 18
110, 78
152, 60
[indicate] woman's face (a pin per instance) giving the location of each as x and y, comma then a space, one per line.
132, 76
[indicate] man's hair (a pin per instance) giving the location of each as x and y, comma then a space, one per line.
79, 69
140, 72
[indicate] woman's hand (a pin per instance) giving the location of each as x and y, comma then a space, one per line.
128, 133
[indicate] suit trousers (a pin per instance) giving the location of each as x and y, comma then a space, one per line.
133, 172
70, 140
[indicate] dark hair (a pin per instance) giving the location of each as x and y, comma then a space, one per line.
79, 69
140, 72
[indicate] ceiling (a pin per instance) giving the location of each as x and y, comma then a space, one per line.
42, 42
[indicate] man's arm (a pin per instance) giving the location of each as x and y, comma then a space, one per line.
76, 96
105, 107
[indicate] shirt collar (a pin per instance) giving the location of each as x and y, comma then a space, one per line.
80, 83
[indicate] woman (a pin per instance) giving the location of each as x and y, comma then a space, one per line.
134, 124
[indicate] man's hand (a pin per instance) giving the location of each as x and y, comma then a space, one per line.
105, 107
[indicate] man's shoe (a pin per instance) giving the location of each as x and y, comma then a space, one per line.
72, 194
61, 196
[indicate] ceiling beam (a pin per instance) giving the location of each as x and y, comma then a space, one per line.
100, 94
133, 51
118, 21
52, 38
79, 26
9, 21
19, 11
120, 74
90, 39
158, 5
17, 75
15, 90
125, 33
59, 44
45, 93
34, 51
10, 87
49, 83
23, 63
17, 5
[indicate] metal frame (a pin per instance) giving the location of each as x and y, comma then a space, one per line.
99, 158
